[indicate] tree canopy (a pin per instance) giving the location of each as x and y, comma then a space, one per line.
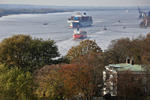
81, 77
24, 52
16, 84
130, 86
85, 47
50, 83
120, 49
59, 82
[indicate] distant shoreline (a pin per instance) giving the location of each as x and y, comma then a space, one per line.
11, 9
6, 12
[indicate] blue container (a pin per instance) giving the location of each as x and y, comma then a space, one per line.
76, 18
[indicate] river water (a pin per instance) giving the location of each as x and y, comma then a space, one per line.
119, 24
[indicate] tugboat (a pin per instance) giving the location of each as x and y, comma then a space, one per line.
79, 34
80, 19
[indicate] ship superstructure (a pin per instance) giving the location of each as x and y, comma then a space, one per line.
80, 20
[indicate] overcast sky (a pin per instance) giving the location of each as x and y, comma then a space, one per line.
80, 2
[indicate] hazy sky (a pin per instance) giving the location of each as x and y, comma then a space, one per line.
80, 2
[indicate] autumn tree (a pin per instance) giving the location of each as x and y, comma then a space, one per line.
85, 47
96, 63
145, 50
59, 82
120, 49
146, 60
88, 53
27, 53
130, 86
78, 80
50, 83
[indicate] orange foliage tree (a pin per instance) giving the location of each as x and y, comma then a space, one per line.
96, 63
78, 80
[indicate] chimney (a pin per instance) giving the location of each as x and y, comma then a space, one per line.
127, 60
132, 61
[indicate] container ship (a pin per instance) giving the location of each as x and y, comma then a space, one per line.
79, 34
80, 20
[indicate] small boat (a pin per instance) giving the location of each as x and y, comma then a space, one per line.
127, 11
119, 21
45, 23
124, 27
105, 28
79, 34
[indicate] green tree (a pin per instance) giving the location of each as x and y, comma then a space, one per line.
85, 47
27, 53
16, 84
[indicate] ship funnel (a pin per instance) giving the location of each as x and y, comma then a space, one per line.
130, 61
127, 60
84, 13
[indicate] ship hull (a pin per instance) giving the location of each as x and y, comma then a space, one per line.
79, 36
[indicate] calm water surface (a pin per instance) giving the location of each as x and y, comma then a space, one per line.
57, 27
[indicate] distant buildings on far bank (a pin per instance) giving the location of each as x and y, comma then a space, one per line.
145, 20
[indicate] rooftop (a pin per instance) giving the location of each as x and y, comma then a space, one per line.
124, 67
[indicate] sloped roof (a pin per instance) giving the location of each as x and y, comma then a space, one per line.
124, 67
